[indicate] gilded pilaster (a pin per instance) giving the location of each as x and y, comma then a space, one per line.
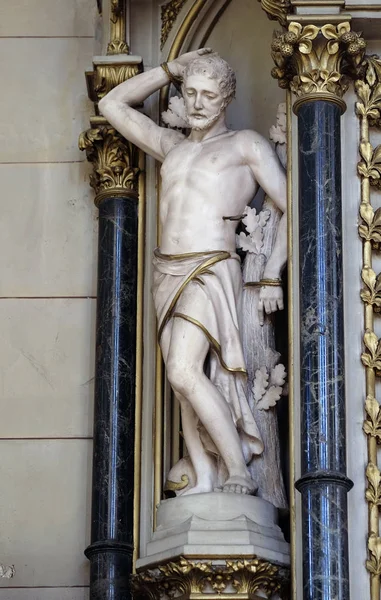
368, 109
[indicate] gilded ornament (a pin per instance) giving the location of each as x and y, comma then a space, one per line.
114, 161
370, 228
372, 356
118, 44
277, 10
169, 13
370, 166
105, 77
316, 61
185, 579
371, 294
372, 423
374, 564
373, 492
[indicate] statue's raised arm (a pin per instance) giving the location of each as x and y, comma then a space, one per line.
118, 105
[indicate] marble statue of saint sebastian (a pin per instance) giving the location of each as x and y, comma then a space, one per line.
208, 176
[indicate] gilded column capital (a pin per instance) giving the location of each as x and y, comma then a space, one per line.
109, 72
317, 62
114, 161
200, 578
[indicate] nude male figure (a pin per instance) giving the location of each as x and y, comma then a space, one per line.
210, 174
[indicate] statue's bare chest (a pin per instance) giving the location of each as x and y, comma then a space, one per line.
189, 160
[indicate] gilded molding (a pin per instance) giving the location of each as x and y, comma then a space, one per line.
169, 13
114, 160
186, 579
316, 62
105, 77
277, 10
368, 109
118, 44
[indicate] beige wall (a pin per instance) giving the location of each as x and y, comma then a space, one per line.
47, 298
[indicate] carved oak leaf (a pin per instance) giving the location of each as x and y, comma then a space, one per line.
251, 219
270, 398
246, 243
373, 492
261, 382
372, 424
278, 375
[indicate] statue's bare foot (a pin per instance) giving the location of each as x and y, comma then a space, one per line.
240, 485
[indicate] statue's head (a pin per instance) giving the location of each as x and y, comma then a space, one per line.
208, 86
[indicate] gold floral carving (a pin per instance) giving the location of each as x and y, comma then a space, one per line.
114, 161
316, 61
169, 13
277, 10
368, 109
186, 579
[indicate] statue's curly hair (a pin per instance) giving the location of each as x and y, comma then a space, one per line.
214, 67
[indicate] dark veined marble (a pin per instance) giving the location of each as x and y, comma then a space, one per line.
111, 548
323, 483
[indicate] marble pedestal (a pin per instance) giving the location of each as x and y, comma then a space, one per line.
216, 525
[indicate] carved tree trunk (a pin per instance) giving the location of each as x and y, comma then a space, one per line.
259, 349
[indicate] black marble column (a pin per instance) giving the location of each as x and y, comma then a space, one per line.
323, 484
111, 548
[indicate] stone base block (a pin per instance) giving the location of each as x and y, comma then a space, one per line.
216, 525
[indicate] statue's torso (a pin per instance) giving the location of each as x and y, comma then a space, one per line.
202, 182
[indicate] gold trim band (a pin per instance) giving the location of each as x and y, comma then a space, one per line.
324, 97
115, 193
199, 270
264, 282
177, 81
213, 342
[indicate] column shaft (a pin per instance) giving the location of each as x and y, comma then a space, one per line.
111, 548
323, 484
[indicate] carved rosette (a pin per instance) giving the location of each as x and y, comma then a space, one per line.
317, 62
114, 160
187, 579
368, 109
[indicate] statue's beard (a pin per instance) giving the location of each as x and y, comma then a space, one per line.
204, 123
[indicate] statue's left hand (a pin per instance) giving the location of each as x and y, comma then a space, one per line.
270, 300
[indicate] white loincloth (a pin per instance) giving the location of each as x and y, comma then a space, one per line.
213, 306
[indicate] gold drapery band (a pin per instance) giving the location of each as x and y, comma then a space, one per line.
264, 282
177, 81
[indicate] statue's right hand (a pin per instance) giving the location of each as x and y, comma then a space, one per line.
178, 66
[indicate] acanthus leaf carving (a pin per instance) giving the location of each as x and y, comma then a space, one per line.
183, 578
374, 563
114, 160
372, 357
373, 492
370, 229
313, 59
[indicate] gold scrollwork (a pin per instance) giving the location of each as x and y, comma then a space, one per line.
315, 61
185, 579
368, 109
114, 160
169, 13
277, 10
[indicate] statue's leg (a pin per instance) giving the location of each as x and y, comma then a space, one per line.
203, 464
188, 349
